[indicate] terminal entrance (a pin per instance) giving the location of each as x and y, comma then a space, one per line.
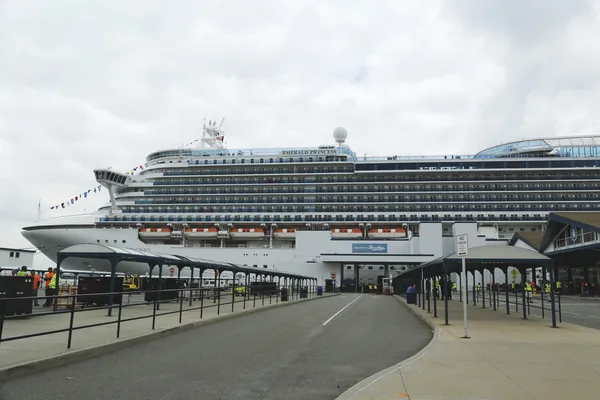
368, 278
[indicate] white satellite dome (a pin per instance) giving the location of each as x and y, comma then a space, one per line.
340, 134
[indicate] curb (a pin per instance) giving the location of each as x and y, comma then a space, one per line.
357, 388
415, 311
71, 356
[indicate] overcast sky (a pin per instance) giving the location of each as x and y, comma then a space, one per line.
85, 84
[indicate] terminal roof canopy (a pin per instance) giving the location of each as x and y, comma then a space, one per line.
557, 222
104, 252
571, 238
483, 257
532, 239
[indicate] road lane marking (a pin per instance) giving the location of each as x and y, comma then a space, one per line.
580, 315
343, 308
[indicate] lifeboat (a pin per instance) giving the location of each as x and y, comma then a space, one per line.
155, 233
387, 233
247, 233
346, 233
201, 233
286, 233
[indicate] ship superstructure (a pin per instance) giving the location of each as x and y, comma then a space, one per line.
208, 200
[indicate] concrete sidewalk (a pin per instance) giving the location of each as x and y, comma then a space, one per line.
26, 355
505, 358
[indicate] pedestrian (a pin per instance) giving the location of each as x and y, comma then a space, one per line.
49, 289
36, 286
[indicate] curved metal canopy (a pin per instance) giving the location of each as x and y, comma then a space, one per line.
100, 251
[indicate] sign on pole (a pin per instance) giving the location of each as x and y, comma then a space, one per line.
462, 250
462, 245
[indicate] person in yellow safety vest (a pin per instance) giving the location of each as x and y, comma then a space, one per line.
453, 287
51, 289
370, 288
528, 288
23, 271
547, 288
559, 286
374, 288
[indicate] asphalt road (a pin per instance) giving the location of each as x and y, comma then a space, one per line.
292, 352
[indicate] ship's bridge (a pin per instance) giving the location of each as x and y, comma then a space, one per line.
110, 177
111, 180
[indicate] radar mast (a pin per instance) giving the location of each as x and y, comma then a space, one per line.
212, 135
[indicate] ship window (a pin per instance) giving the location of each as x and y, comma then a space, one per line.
123, 241
11, 254
115, 241
97, 240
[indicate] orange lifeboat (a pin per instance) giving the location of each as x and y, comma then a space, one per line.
387, 233
285, 233
201, 233
346, 233
156, 233
247, 233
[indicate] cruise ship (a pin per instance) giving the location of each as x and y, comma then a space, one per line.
318, 209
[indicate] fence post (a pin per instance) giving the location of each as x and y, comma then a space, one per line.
201, 302
559, 310
71, 321
233, 290
542, 293
2, 312
119, 320
181, 292
154, 309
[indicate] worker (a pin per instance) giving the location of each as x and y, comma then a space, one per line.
370, 288
23, 271
48, 277
454, 289
36, 286
50, 287
559, 287
547, 288
528, 288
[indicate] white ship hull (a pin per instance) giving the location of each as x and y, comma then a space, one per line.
307, 257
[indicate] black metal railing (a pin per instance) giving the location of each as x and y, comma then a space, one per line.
206, 297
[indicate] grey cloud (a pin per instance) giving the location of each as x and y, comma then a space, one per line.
107, 82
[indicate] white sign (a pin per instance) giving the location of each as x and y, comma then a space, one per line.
462, 245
